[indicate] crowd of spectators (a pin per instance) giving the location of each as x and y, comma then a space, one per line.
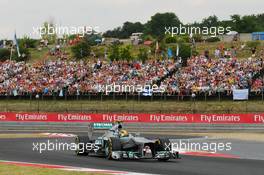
75, 77
216, 75
202, 74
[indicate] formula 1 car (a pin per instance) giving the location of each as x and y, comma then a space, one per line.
117, 144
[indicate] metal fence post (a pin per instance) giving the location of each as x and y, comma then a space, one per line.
7, 104
262, 94
65, 98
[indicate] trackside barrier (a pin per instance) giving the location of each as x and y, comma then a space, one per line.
252, 118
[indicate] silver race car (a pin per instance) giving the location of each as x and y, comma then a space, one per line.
117, 144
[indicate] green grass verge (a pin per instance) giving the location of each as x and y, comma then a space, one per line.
20, 170
122, 106
37, 55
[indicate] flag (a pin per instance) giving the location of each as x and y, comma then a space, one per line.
15, 92
193, 42
2, 44
17, 46
61, 93
178, 49
170, 53
157, 46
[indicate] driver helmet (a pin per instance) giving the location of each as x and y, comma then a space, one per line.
123, 133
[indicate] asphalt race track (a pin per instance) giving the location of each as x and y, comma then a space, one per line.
22, 150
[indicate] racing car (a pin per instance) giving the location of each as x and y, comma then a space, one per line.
117, 143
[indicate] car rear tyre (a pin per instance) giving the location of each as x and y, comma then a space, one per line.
113, 144
80, 142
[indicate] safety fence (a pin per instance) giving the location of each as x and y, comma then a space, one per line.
187, 96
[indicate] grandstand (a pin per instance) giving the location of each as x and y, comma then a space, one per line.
204, 77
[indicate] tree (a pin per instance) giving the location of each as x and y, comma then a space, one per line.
91, 39
114, 52
142, 55
125, 31
236, 21
249, 24
27, 42
125, 53
184, 52
24, 54
170, 39
129, 28
113, 33
211, 21
156, 26
4, 54
81, 50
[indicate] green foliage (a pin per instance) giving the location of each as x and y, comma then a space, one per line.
248, 23
24, 54
183, 39
184, 51
156, 26
99, 51
252, 44
4, 54
170, 39
81, 50
143, 54
114, 52
28, 42
91, 39
212, 39
125, 53
147, 37
195, 53
71, 37
125, 31
198, 38
211, 21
